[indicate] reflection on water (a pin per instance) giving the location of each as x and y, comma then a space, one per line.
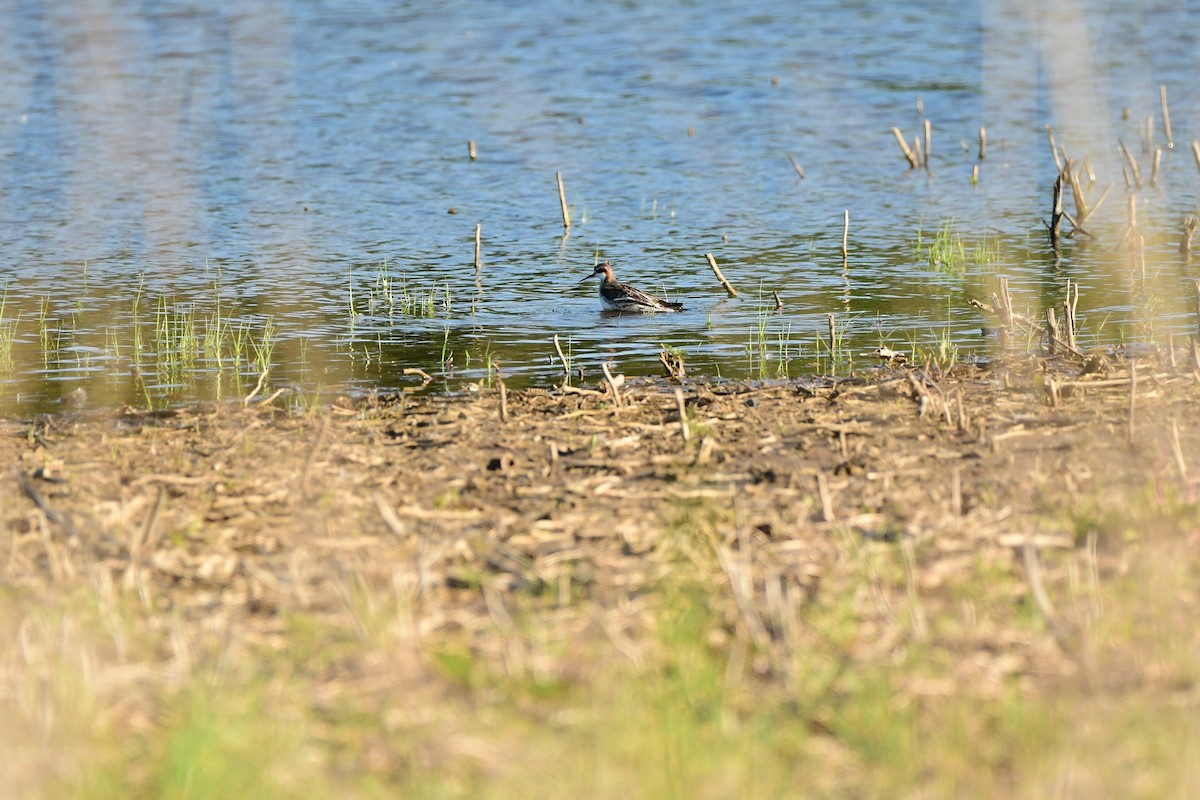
190, 192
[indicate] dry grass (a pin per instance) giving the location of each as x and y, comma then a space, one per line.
824, 590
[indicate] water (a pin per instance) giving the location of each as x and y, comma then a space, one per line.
189, 193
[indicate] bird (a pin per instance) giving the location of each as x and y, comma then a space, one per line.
623, 297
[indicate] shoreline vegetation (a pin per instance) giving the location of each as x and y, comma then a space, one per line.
928, 583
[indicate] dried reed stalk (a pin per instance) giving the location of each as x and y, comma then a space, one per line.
1056, 210
1189, 230
1166, 115
683, 420
1132, 397
1134, 170
1154, 169
928, 143
832, 334
982, 143
478, 243
1196, 152
1054, 148
566, 365
562, 202
612, 384
912, 158
471, 148
712, 262
1052, 327
799, 169
845, 236
1069, 307
1197, 286
503, 394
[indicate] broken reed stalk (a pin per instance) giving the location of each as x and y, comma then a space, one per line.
799, 169
1052, 327
1189, 230
1132, 396
845, 236
778, 301
917, 151
928, 143
982, 143
471, 148
912, 158
1134, 170
1166, 115
612, 384
258, 388
1081, 207
683, 421
1148, 136
1069, 307
562, 358
832, 335
1056, 210
1054, 149
562, 202
478, 242
825, 498
503, 395
1197, 285
1154, 168
1196, 152
712, 262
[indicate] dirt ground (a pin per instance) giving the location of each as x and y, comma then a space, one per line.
224, 523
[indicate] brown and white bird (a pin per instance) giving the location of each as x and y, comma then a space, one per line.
623, 297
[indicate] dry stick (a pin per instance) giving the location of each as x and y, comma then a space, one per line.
612, 384
778, 302
917, 151
1133, 165
982, 143
471, 148
1082, 212
478, 242
1052, 326
799, 169
1132, 396
257, 389
1149, 136
1175, 446
1189, 230
683, 421
912, 158
1196, 152
1197, 284
562, 358
974, 174
503, 394
826, 500
1069, 306
845, 237
1154, 169
1054, 148
832, 335
1056, 211
562, 201
1162, 99
928, 143
712, 262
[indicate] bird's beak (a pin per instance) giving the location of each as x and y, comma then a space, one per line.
587, 278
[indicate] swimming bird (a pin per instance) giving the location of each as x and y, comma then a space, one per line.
623, 297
